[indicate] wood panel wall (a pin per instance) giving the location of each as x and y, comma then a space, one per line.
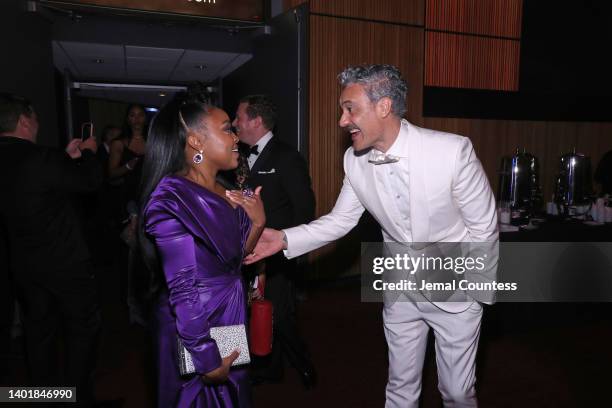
473, 44
398, 45
499, 18
465, 61
493, 139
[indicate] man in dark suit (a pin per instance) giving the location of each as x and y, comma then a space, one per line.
49, 259
7, 298
288, 198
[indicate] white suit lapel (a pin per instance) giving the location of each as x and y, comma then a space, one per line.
419, 208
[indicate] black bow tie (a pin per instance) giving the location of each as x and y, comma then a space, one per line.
254, 150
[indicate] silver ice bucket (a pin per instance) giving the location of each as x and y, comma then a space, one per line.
574, 185
519, 182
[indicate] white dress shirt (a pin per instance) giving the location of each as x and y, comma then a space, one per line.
393, 183
261, 144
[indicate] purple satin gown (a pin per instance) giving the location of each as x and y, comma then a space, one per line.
200, 240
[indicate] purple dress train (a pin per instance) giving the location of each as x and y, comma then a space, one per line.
200, 240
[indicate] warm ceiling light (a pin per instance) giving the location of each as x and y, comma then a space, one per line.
201, 67
161, 94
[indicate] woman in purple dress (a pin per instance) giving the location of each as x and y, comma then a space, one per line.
196, 234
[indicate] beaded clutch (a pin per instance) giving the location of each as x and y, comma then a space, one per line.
228, 339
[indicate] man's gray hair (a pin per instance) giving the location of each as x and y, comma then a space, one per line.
378, 81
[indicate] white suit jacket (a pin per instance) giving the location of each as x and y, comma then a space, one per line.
450, 196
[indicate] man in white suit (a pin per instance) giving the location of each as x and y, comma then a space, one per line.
421, 186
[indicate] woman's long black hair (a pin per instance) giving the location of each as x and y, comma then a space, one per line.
165, 155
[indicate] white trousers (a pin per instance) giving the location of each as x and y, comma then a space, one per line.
456, 337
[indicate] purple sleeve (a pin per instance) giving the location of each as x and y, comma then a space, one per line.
176, 248
245, 228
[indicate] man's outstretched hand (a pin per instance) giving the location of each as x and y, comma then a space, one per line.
270, 242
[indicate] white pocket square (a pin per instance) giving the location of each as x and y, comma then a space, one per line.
271, 171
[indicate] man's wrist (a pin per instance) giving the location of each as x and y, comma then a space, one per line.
285, 241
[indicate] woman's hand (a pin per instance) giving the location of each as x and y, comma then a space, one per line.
220, 374
256, 295
252, 205
258, 292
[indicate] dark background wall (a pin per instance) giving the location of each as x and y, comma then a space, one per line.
273, 70
27, 64
564, 75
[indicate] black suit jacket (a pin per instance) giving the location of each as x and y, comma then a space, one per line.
287, 193
36, 182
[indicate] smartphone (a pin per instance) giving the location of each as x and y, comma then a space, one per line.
87, 130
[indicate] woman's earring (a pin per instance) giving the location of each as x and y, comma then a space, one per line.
198, 157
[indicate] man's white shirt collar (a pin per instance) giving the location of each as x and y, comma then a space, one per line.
398, 149
261, 145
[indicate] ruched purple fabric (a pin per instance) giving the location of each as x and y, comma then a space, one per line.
200, 240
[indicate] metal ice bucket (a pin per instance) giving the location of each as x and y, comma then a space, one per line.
519, 186
574, 185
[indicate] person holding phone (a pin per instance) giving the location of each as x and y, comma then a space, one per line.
50, 260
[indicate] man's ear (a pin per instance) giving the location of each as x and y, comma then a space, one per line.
258, 121
384, 107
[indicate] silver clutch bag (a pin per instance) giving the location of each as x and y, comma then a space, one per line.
228, 338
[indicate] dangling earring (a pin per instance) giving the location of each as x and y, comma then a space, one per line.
198, 157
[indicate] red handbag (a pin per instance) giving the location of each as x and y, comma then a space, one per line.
260, 326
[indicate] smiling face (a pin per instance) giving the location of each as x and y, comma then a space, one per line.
219, 143
360, 117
